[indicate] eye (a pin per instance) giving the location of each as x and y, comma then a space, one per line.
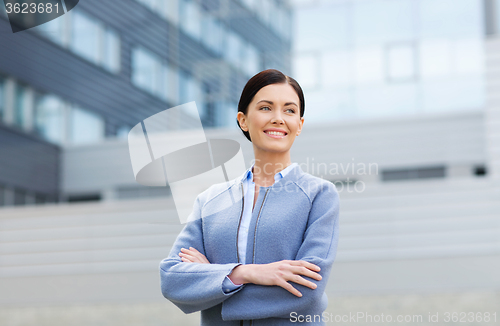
291, 110
265, 107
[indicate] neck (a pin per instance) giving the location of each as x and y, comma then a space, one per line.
267, 164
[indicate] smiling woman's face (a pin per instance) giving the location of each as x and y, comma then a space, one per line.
273, 118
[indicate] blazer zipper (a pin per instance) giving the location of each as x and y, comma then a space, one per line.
239, 223
238, 231
255, 231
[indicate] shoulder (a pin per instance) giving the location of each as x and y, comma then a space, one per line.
315, 187
216, 190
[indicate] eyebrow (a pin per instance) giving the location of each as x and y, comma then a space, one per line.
270, 102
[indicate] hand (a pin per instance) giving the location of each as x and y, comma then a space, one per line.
278, 273
192, 255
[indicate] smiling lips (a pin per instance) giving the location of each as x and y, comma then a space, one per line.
275, 133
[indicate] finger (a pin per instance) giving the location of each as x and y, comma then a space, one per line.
198, 254
308, 265
301, 270
184, 259
192, 252
195, 251
187, 252
187, 256
302, 281
287, 286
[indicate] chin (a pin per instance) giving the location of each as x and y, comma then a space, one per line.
276, 149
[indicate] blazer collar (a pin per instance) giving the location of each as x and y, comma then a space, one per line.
292, 175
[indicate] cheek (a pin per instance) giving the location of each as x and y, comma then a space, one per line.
257, 122
293, 125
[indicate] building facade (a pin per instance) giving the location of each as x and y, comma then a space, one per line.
385, 58
419, 214
101, 68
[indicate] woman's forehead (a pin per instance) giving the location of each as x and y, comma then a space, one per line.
277, 93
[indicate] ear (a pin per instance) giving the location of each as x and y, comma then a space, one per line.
301, 123
242, 120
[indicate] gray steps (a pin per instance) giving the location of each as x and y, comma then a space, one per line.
391, 221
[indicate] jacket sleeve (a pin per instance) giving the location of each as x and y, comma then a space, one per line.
193, 286
229, 286
318, 247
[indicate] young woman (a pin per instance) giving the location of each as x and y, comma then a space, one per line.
266, 259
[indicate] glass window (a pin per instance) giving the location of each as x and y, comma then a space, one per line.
249, 58
85, 36
401, 62
165, 83
225, 114
150, 3
469, 56
212, 33
332, 105
369, 65
495, 16
186, 88
183, 85
278, 20
2, 96
266, 11
273, 17
233, 48
123, 131
21, 105
54, 30
145, 70
306, 69
3, 13
463, 18
170, 11
252, 64
190, 90
375, 22
283, 22
322, 27
49, 118
454, 93
243, 56
169, 85
190, 18
85, 126
386, 100
250, 4
435, 58
111, 48
337, 68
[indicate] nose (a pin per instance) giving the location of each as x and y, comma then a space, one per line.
277, 119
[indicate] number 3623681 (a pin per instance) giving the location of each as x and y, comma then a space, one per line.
32, 8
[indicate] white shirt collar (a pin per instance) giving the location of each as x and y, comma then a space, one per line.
249, 174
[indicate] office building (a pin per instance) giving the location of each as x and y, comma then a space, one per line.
95, 72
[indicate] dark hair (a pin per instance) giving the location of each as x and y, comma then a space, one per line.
260, 80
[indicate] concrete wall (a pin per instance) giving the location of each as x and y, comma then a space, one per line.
455, 140
492, 112
28, 163
409, 247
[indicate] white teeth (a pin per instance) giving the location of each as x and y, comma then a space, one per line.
277, 133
